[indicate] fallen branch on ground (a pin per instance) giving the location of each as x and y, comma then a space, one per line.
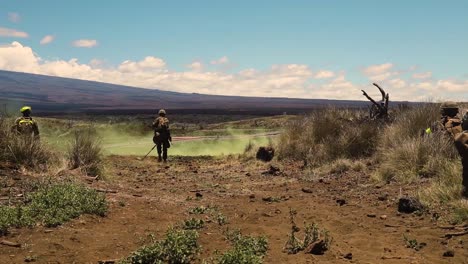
9, 243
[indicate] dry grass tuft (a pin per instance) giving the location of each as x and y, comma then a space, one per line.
329, 135
23, 150
85, 152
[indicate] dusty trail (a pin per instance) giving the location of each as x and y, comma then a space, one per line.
147, 197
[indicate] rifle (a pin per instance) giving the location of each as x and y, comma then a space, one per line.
148, 153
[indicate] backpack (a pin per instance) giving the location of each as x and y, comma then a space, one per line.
25, 125
162, 124
453, 126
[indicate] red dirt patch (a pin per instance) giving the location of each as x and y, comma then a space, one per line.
146, 198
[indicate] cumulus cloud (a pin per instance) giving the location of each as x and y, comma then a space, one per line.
324, 75
220, 61
195, 66
47, 39
281, 80
9, 32
422, 75
85, 43
380, 72
14, 17
147, 64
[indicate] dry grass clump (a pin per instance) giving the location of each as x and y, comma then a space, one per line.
329, 135
334, 141
22, 150
85, 152
411, 158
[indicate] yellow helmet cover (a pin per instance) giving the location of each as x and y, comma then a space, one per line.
25, 108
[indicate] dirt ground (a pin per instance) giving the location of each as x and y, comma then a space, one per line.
147, 197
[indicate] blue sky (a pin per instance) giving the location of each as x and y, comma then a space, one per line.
339, 36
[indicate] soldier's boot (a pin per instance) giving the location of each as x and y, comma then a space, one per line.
159, 158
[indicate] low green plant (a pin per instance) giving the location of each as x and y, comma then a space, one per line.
53, 205
221, 219
199, 210
413, 243
193, 224
178, 247
312, 234
246, 249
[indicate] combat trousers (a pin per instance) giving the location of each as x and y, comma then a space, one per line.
162, 150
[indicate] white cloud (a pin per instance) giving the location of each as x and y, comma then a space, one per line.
8, 32
147, 64
380, 72
282, 80
378, 69
324, 75
195, 66
85, 43
422, 75
221, 61
47, 39
14, 17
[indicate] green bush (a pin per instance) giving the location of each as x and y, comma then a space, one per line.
178, 247
246, 249
193, 224
53, 205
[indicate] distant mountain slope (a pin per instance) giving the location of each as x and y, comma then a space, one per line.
52, 94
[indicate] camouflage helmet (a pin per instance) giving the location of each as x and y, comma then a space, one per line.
449, 108
449, 105
162, 112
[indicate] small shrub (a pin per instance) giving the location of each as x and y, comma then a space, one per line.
178, 247
221, 219
56, 204
413, 243
246, 249
53, 205
22, 150
193, 224
199, 210
85, 152
312, 234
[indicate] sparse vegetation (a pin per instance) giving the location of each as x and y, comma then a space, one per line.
337, 140
328, 135
178, 247
413, 243
23, 150
312, 234
193, 224
85, 152
246, 249
53, 205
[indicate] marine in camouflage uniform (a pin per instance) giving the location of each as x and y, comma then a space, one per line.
25, 125
450, 122
162, 135
461, 143
451, 125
